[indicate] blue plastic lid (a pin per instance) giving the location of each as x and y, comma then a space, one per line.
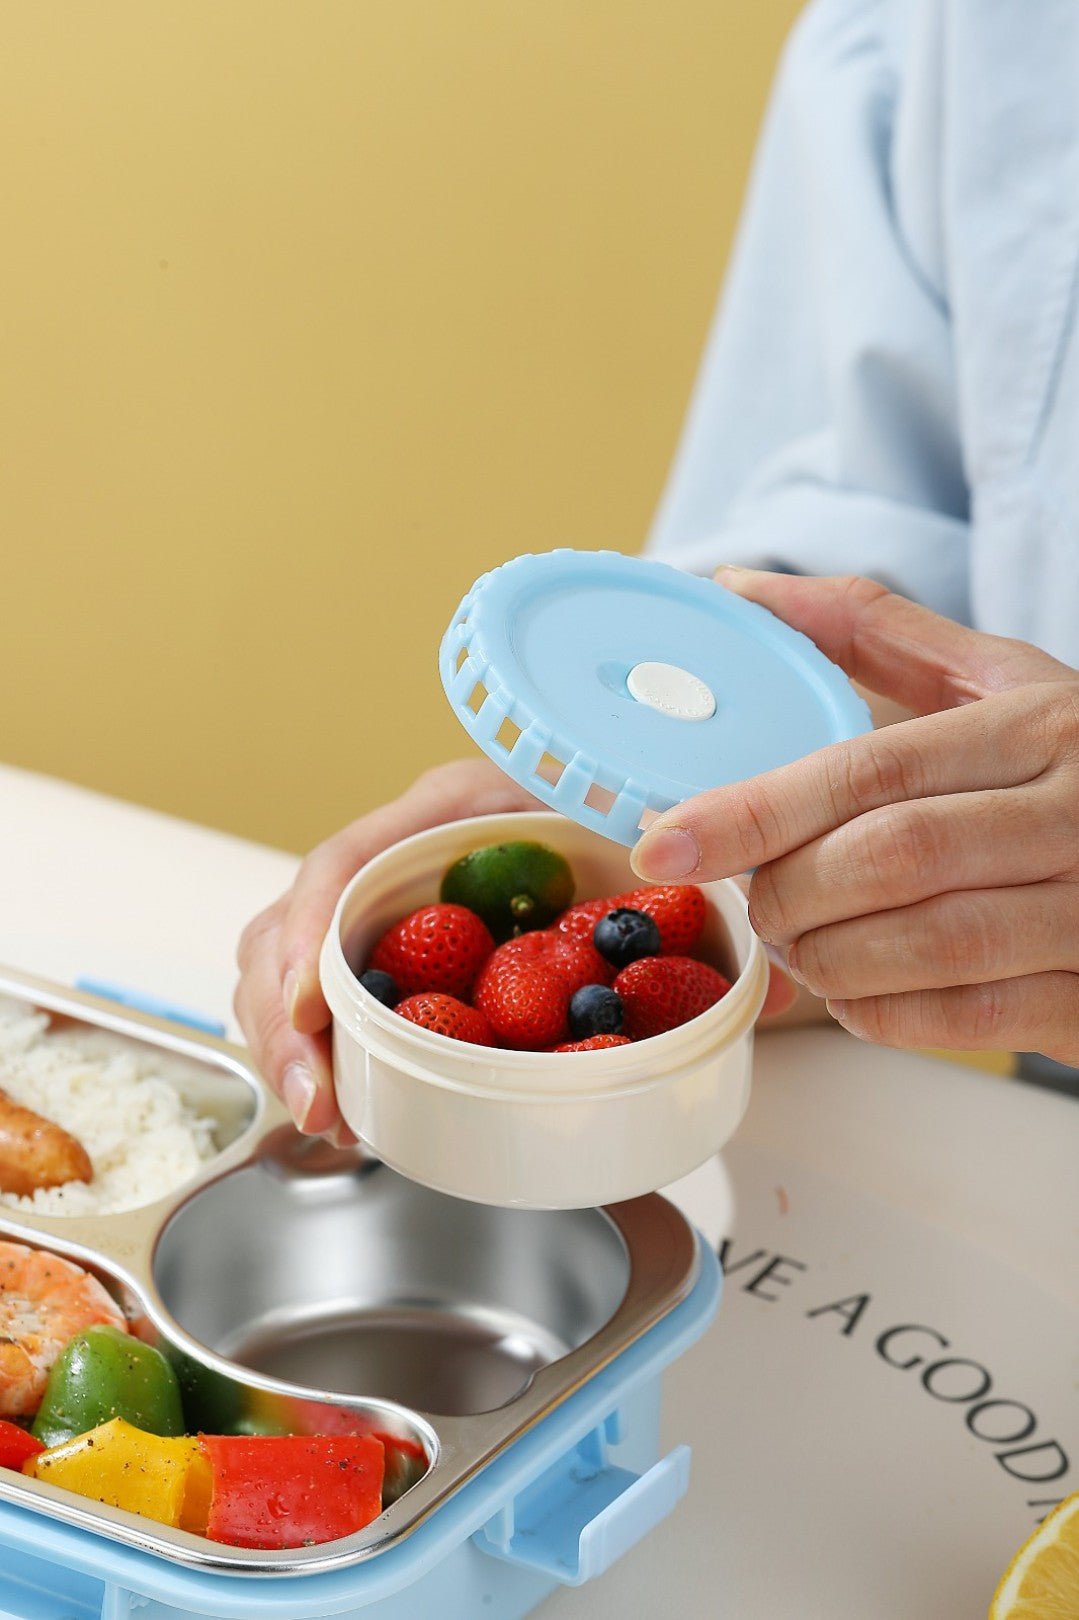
610, 686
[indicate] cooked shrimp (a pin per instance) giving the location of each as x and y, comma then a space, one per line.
43, 1301
36, 1152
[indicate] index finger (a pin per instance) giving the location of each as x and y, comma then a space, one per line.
735, 828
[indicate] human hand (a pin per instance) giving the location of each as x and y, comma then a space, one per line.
278, 999
924, 878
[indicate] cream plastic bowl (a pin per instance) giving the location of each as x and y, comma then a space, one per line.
537, 1130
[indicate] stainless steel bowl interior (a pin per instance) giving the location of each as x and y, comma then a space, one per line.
334, 1273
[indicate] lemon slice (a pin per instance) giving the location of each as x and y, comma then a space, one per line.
1042, 1580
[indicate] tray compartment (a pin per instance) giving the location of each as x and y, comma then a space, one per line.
80, 1062
342, 1276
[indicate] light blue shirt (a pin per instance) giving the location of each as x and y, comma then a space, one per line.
891, 386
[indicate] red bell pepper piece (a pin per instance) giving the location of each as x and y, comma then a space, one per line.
16, 1444
291, 1490
406, 1460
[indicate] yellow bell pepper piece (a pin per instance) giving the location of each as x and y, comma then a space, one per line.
198, 1491
162, 1477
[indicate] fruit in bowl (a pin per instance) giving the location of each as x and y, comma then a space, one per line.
564, 977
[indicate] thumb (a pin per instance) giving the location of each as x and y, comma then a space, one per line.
890, 645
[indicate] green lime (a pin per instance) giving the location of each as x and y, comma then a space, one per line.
514, 886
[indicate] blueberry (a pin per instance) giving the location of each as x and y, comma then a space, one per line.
625, 935
595, 1010
383, 986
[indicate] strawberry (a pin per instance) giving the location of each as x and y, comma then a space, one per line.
594, 1043
578, 921
524, 1004
439, 947
677, 909
431, 1009
525, 985
660, 992
577, 960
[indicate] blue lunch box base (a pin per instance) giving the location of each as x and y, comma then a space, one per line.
558, 1507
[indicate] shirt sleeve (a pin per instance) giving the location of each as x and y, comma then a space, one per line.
891, 384
822, 435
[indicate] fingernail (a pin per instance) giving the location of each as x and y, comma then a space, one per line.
299, 1090
290, 991
838, 1010
761, 933
778, 958
733, 576
665, 854
791, 965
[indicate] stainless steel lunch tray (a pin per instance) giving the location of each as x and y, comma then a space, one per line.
294, 1279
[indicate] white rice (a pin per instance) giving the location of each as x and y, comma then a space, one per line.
142, 1138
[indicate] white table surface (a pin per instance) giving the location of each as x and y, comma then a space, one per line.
866, 1191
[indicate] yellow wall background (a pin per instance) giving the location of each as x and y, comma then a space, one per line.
311, 313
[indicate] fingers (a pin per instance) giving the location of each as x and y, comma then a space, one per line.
900, 854
733, 829
1039, 1013
891, 645
966, 938
307, 913
297, 1067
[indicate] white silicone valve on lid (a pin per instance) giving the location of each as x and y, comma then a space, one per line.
671, 690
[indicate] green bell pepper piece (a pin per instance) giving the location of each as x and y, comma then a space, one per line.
103, 1373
